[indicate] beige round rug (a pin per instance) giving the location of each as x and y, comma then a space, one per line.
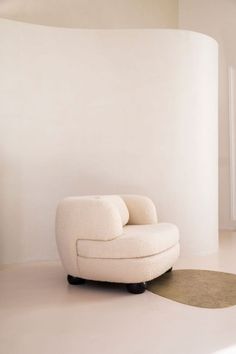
201, 288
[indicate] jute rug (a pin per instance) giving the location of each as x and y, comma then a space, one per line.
200, 288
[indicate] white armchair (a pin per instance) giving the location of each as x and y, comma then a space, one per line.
114, 238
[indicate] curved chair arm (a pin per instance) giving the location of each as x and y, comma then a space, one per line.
84, 218
142, 210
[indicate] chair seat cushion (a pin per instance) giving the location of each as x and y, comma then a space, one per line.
136, 241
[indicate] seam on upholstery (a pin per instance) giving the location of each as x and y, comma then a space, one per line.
87, 239
151, 255
92, 239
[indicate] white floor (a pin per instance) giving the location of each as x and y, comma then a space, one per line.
40, 313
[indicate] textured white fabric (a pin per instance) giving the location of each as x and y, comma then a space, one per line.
84, 218
141, 209
120, 204
134, 270
93, 243
136, 241
89, 218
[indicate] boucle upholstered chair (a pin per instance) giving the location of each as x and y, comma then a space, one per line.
115, 239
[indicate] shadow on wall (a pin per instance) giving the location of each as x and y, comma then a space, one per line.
97, 184
12, 225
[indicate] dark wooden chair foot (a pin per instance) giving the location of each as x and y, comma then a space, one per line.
75, 280
136, 288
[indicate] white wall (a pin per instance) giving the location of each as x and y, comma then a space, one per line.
94, 13
105, 111
213, 17
217, 18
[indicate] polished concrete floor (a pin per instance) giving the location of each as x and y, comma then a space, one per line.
41, 314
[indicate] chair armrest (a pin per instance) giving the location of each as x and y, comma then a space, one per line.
142, 210
89, 218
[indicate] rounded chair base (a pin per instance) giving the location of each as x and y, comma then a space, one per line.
75, 280
128, 271
136, 288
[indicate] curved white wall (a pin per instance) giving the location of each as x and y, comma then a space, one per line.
94, 13
106, 111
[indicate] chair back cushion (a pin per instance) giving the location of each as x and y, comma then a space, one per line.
120, 205
141, 209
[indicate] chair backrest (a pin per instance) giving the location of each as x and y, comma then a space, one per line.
141, 209
120, 205
133, 209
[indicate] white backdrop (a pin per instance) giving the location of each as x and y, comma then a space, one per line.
106, 111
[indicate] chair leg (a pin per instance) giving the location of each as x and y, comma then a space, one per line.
75, 280
136, 288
